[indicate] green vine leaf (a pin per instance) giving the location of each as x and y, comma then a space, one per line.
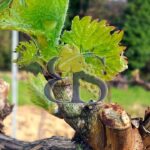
70, 59
42, 20
27, 53
100, 44
36, 85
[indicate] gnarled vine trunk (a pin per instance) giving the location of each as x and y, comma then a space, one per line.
98, 126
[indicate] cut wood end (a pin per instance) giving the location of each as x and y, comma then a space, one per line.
114, 116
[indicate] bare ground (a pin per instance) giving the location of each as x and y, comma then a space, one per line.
34, 124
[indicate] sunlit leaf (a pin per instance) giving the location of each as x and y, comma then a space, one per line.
70, 59
43, 20
100, 44
27, 53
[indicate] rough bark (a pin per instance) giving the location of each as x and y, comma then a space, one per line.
107, 127
103, 133
54, 143
98, 126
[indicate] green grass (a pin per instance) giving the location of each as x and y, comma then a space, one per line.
132, 95
135, 100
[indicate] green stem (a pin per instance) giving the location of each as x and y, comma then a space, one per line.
42, 63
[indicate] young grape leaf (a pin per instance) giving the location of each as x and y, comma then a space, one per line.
36, 85
100, 45
27, 53
70, 59
42, 20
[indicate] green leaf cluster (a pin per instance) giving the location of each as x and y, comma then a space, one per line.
42, 20
91, 45
100, 45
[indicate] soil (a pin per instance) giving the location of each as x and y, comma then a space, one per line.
34, 123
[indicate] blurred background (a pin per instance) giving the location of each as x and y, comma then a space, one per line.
131, 89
